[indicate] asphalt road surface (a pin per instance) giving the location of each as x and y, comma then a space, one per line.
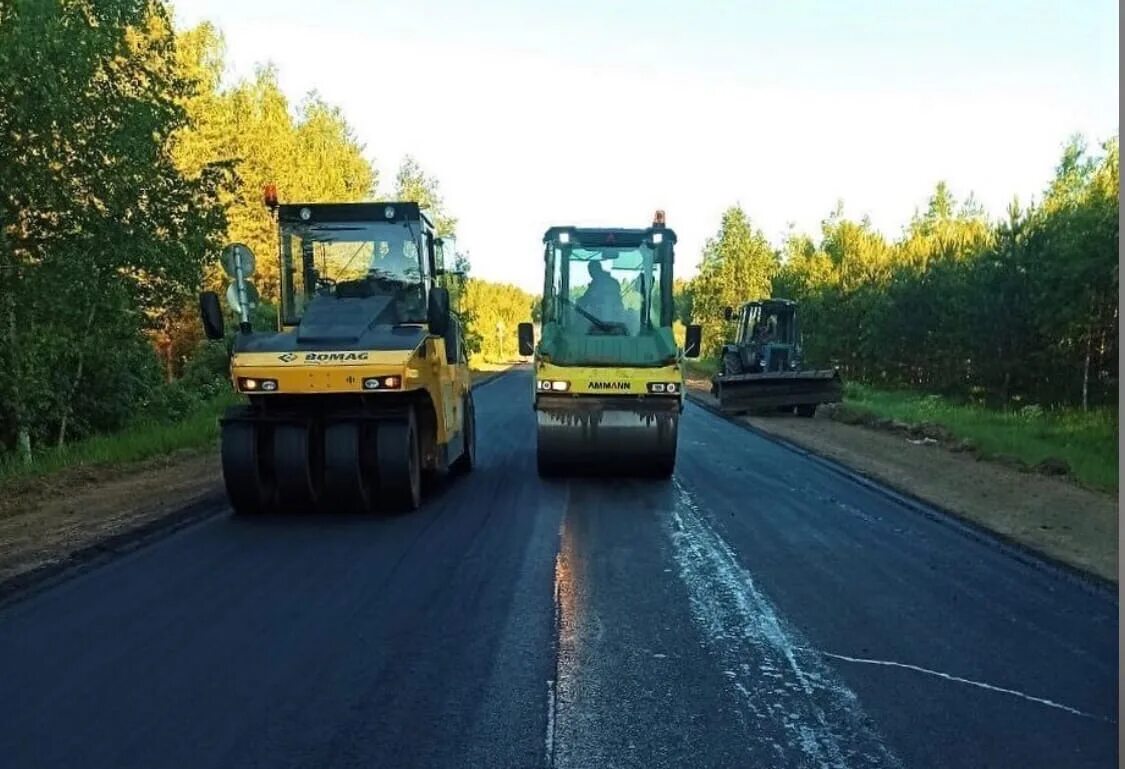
758, 610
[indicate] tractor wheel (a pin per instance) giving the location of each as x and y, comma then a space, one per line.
468, 458
399, 461
806, 410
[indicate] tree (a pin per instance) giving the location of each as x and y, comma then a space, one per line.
738, 266
100, 230
1020, 310
251, 131
682, 300
412, 184
496, 309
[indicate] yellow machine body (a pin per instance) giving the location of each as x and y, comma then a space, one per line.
340, 372
363, 390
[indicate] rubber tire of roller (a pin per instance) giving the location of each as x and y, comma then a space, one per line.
249, 484
349, 468
297, 467
399, 463
468, 458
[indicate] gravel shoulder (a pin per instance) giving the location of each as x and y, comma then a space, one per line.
47, 521
1055, 517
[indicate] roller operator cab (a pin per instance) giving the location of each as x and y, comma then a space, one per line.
364, 389
609, 380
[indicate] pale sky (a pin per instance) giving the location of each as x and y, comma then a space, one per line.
598, 113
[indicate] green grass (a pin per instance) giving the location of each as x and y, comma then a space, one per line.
140, 441
480, 366
1086, 440
145, 440
702, 368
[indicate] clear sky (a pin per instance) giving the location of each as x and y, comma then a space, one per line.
588, 112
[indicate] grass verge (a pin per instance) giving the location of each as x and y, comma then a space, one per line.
482, 369
701, 368
140, 441
1087, 441
147, 439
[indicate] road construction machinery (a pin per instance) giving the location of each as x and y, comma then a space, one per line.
363, 388
763, 369
609, 380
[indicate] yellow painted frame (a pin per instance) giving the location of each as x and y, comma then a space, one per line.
422, 369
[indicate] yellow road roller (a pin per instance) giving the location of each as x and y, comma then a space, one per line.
609, 379
362, 390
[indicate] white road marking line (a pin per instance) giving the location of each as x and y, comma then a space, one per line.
552, 689
550, 739
805, 716
958, 679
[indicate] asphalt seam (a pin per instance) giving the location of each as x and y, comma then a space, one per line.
1089, 581
22, 586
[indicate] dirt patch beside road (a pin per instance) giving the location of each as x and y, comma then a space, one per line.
1049, 515
46, 520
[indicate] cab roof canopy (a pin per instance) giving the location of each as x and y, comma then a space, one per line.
774, 302
400, 211
602, 237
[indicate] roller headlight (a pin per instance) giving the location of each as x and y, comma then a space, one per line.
553, 385
382, 383
663, 388
253, 384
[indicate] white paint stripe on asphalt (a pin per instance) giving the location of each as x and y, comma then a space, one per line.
790, 695
550, 740
958, 679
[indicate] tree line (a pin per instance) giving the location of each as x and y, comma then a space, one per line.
1017, 311
125, 165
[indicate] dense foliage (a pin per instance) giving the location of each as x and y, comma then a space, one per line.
1016, 311
101, 235
496, 309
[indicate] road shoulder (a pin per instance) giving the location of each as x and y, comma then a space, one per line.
55, 523
1053, 517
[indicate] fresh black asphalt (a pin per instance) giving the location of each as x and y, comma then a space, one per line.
758, 610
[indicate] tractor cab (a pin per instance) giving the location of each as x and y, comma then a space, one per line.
386, 254
353, 275
607, 297
609, 282
763, 369
767, 337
